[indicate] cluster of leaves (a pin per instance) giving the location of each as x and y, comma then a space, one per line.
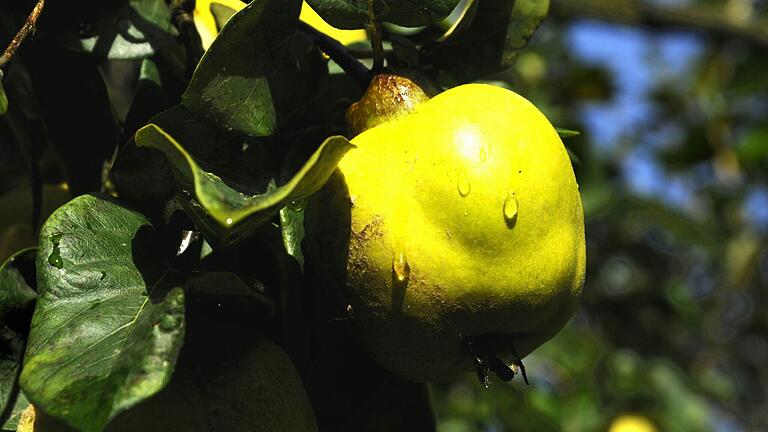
189, 178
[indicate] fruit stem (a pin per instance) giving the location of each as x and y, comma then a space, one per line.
374, 32
339, 53
387, 98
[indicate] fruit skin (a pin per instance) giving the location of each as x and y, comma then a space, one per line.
632, 423
423, 198
251, 389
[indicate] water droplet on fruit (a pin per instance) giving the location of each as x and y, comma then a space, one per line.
463, 183
401, 268
483, 154
510, 210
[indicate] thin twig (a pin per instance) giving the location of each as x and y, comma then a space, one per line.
339, 53
26, 29
374, 31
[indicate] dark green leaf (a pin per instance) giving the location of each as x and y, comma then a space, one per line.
292, 225
16, 151
258, 72
161, 82
142, 178
229, 206
499, 29
107, 327
133, 29
353, 14
16, 304
692, 150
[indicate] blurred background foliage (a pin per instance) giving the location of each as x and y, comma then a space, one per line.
672, 164
673, 169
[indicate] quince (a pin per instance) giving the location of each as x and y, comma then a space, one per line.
454, 232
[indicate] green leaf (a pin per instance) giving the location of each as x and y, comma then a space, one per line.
292, 226
221, 14
3, 97
159, 87
229, 206
499, 29
353, 14
107, 327
16, 303
258, 71
752, 148
567, 133
133, 29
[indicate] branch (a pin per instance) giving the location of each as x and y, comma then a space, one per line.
635, 12
181, 17
339, 53
26, 29
374, 32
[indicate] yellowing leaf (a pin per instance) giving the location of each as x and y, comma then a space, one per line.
346, 37
209, 22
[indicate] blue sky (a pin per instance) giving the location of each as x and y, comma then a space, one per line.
628, 125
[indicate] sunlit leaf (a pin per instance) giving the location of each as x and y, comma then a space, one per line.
257, 72
228, 206
133, 29
292, 226
108, 324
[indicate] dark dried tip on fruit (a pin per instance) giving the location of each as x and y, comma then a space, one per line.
387, 98
483, 372
484, 351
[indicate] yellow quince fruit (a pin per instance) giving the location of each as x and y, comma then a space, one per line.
454, 231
